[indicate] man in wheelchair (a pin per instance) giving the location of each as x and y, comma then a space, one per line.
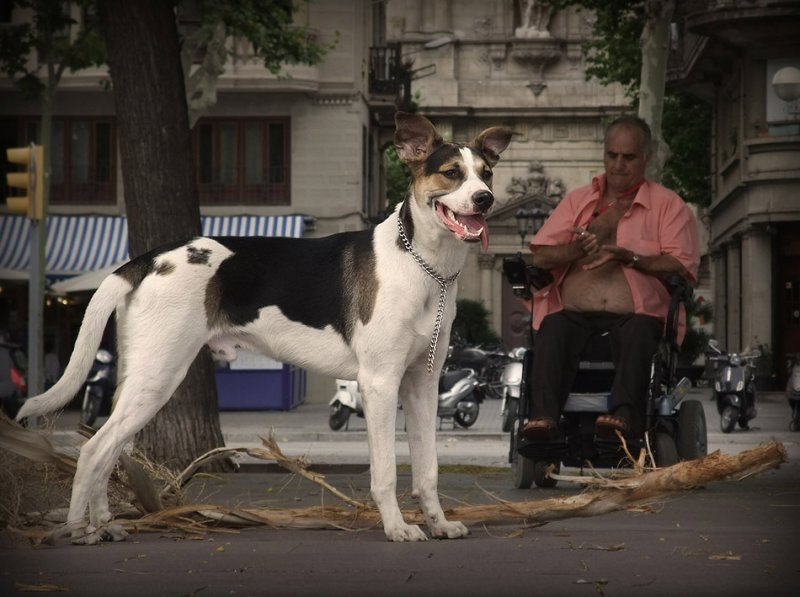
609, 247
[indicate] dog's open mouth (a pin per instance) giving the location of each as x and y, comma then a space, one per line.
470, 228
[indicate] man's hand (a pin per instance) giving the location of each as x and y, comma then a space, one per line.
587, 241
608, 253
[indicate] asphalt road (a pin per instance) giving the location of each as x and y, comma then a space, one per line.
733, 538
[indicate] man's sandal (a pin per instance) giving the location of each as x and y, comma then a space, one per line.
540, 429
606, 427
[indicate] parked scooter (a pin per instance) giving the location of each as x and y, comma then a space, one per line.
346, 401
460, 396
99, 387
511, 379
793, 392
734, 386
487, 364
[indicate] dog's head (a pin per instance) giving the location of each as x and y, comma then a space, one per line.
453, 180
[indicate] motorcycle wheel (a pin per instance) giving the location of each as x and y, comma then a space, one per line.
466, 418
666, 452
539, 473
340, 414
90, 407
728, 418
510, 414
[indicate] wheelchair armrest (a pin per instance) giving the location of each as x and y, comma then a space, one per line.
681, 293
538, 277
522, 276
678, 285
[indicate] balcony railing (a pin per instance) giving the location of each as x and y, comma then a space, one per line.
385, 69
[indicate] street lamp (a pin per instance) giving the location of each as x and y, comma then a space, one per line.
530, 220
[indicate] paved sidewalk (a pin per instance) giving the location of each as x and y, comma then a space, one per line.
305, 431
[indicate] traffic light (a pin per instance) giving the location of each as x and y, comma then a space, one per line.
30, 180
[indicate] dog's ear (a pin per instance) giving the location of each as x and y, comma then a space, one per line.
492, 142
415, 137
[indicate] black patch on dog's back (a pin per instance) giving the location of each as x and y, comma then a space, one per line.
140, 267
198, 256
316, 282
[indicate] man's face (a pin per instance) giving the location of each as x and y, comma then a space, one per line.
625, 158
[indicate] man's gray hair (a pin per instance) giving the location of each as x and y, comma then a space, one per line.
636, 123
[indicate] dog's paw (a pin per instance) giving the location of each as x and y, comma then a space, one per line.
405, 532
88, 535
112, 532
449, 530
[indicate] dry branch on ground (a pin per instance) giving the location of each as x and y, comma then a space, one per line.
602, 497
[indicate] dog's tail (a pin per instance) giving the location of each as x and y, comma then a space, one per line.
111, 291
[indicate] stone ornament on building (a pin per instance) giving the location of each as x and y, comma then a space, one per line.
534, 46
536, 17
535, 186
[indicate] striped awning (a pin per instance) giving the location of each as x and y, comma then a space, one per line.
79, 244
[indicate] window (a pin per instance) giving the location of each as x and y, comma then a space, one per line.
81, 160
242, 161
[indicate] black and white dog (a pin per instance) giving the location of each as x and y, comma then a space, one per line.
375, 305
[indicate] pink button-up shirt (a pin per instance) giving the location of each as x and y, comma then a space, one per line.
657, 223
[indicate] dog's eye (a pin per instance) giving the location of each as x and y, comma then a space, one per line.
452, 173
487, 174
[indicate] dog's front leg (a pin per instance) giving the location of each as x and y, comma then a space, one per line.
420, 403
380, 410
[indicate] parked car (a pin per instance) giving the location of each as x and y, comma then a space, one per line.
13, 385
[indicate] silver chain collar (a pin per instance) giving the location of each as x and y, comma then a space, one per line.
443, 284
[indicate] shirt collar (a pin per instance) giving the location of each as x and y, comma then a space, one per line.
642, 196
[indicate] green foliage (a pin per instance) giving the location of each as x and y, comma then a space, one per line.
614, 53
57, 38
471, 324
398, 178
696, 339
50, 35
614, 56
268, 26
686, 127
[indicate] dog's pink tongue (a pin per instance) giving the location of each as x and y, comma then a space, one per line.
475, 222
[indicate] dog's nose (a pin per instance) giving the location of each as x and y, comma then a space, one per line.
483, 200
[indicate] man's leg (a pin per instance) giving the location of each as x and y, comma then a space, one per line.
634, 341
557, 347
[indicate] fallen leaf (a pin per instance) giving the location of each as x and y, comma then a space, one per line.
599, 581
42, 588
728, 555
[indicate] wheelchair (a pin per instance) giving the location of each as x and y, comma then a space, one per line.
675, 429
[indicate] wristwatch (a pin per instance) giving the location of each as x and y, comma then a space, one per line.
634, 260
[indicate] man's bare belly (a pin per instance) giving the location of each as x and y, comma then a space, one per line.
601, 289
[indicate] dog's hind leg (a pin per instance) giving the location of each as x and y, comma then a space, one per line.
101, 453
418, 393
142, 394
380, 410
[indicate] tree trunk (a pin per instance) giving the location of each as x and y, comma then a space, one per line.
160, 193
655, 52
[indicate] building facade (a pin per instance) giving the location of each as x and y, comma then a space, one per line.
316, 134
743, 58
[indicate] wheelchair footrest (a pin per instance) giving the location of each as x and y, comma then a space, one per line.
553, 450
588, 402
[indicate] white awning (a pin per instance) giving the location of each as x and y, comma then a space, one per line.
79, 245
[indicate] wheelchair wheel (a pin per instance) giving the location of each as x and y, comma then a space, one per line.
540, 473
692, 436
510, 414
521, 467
666, 453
